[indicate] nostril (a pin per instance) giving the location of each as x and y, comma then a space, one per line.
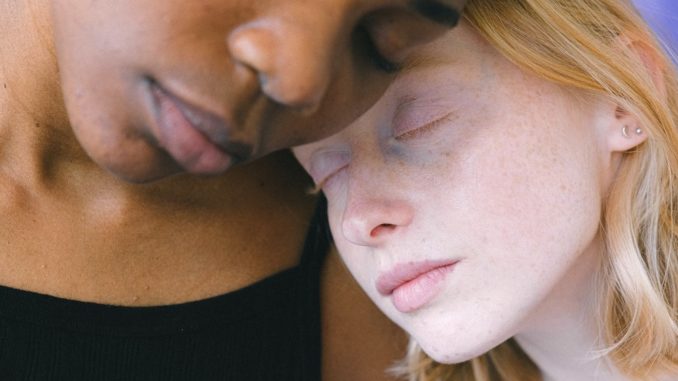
382, 229
292, 71
370, 222
293, 90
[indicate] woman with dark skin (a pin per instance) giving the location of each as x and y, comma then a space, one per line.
100, 102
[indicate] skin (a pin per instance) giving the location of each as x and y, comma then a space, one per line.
469, 158
276, 73
79, 128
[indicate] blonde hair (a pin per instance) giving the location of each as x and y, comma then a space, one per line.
602, 46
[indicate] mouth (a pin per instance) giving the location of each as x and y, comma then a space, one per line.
195, 138
413, 285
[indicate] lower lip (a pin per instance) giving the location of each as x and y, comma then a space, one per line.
187, 146
418, 292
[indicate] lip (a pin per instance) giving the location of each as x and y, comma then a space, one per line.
412, 285
196, 139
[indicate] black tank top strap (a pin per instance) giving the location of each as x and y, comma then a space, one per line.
316, 248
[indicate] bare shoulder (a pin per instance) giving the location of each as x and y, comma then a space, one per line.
359, 342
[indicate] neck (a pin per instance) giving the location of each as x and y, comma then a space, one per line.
177, 239
562, 336
35, 135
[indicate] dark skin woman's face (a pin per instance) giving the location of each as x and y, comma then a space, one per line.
157, 87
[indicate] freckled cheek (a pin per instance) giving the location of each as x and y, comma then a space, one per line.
509, 187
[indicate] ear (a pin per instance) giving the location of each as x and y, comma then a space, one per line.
650, 62
624, 131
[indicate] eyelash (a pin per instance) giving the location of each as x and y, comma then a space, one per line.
379, 61
426, 128
411, 134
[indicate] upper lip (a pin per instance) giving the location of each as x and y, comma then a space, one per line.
402, 273
213, 126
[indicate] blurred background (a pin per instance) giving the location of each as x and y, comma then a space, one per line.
663, 17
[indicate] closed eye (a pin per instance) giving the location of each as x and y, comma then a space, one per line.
426, 128
374, 54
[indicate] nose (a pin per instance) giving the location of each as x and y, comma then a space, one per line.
373, 221
292, 53
296, 48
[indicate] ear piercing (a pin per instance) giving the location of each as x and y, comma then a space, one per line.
625, 131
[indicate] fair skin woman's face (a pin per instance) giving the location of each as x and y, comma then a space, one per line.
157, 87
470, 195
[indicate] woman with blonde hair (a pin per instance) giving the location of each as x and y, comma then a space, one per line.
512, 199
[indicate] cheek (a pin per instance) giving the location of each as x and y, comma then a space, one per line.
531, 213
537, 189
526, 180
520, 210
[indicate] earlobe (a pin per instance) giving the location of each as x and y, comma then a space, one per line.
625, 132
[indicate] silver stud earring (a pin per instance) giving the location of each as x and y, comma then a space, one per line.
639, 131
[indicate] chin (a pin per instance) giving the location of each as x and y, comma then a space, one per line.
448, 355
454, 350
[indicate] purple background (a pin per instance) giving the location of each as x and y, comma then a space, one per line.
663, 17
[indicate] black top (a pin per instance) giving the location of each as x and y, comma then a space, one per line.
266, 331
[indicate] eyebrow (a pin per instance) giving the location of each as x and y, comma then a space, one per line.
437, 11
